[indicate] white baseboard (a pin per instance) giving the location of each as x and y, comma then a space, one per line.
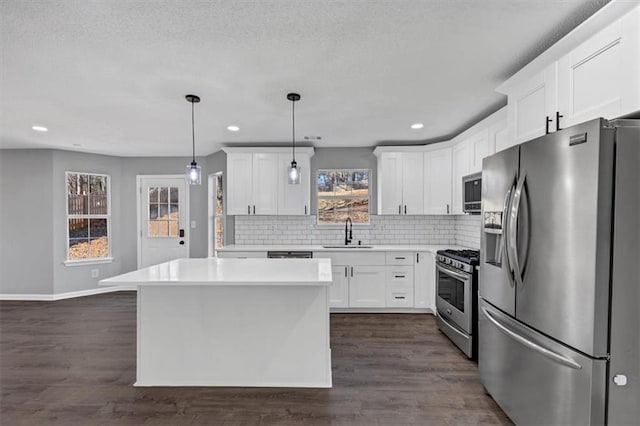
67, 295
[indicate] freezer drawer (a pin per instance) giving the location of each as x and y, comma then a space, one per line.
535, 379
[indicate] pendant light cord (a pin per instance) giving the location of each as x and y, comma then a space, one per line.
293, 109
193, 133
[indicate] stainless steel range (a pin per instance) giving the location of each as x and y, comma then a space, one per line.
456, 297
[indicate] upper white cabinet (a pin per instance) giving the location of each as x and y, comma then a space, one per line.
597, 77
294, 199
257, 182
437, 181
601, 77
461, 167
400, 182
532, 105
478, 149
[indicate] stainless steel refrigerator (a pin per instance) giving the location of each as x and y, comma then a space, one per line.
559, 286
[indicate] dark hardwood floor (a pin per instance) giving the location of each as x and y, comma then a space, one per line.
73, 362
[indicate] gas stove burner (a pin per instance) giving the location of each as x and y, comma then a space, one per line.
466, 256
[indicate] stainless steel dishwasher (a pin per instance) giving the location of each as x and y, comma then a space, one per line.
289, 254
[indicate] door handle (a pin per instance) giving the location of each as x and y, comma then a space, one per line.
513, 227
305, 209
447, 208
181, 242
400, 276
248, 209
505, 234
181, 233
558, 117
400, 258
546, 126
405, 209
559, 358
254, 209
417, 257
352, 271
461, 277
345, 271
399, 208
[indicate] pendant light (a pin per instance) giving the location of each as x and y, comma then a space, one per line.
193, 170
293, 173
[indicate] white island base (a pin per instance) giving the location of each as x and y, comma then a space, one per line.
233, 322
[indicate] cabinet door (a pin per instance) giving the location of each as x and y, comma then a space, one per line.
239, 183
600, 78
501, 139
339, 290
460, 169
531, 103
437, 181
367, 287
412, 183
294, 199
479, 148
390, 183
425, 280
265, 183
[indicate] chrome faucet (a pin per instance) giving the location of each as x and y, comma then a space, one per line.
348, 231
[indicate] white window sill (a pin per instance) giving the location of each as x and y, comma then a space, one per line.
88, 261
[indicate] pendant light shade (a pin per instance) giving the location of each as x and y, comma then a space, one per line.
194, 172
293, 173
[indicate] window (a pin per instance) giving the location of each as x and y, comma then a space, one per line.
342, 194
88, 206
164, 211
216, 213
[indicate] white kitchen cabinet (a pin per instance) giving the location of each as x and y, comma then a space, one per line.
242, 254
294, 199
252, 185
601, 77
532, 105
500, 134
479, 148
339, 290
437, 181
425, 280
399, 285
400, 183
461, 167
239, 183
367, 287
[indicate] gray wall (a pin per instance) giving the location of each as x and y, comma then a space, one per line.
33, 216
26, 224
345, 158
217, 162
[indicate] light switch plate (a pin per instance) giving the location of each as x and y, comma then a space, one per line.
193, 224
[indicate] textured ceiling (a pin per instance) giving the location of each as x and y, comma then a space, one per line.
110, 76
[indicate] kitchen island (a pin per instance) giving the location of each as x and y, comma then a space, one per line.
233, 322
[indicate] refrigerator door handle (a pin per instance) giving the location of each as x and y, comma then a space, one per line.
505, 248
559, 358
513, 228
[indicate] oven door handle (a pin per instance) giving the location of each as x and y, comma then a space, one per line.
464, 277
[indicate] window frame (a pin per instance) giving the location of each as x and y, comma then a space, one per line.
212, 194
336, 225
88, 216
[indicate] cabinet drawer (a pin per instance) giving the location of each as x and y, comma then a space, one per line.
399, 275
242, 254
400, 258
346, 258
399, 296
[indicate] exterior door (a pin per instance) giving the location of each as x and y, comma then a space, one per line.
163, 217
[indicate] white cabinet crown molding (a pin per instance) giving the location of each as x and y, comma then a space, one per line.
273, 150
609, 13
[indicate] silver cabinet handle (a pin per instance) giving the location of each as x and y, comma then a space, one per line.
305, 209
248, 209
352, 271
254, 209
399, 297
447, 208
417, 257
345, 271
513, 228
399, 209
405, 209
400, 258
400, 276
559, 358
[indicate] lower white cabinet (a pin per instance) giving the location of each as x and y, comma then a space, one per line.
339, 290
399, 284
425, 280
367, 287
242, 254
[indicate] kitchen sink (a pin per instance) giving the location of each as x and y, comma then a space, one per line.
348, 247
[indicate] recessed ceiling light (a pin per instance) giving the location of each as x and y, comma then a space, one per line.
40, 128
233, 128
417, 126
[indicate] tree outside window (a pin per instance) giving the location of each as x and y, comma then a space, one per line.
342, 194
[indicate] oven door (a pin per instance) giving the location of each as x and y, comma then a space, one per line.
453, 296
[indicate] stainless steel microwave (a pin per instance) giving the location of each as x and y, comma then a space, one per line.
472, 193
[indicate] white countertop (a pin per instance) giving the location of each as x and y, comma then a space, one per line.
219, 272
381, 247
